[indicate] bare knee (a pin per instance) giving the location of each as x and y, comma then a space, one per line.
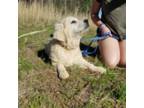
109, 49
112, 60
112, 63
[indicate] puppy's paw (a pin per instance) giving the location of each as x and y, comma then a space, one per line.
101, 70
97, 69
63, 75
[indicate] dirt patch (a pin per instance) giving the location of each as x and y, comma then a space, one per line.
82, 97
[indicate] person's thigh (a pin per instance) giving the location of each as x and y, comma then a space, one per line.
109, 49
122, 45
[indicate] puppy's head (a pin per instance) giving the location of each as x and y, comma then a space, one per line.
69, 28
75, 26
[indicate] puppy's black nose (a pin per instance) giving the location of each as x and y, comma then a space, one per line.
86, 20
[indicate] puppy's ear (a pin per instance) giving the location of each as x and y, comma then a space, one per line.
64, 35
59, 32
70, 41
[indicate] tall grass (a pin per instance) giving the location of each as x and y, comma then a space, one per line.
48, 13
37, 12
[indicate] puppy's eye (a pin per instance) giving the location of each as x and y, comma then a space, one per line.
73, 22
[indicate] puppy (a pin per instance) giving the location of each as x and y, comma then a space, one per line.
64, 48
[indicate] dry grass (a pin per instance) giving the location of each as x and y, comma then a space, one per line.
37, 13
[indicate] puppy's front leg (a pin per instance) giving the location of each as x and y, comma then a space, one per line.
85, 64
62, 73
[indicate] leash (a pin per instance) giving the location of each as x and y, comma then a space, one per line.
31, 33
86, 51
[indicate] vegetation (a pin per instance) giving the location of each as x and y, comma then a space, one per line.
39, 86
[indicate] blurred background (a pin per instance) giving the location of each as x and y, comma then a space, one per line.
48, 11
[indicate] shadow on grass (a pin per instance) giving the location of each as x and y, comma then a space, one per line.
41, 54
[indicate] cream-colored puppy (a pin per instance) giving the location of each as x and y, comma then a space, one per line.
64, 50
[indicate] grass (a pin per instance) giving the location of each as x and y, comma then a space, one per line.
39, 86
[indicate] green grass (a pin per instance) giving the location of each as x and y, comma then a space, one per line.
39, 86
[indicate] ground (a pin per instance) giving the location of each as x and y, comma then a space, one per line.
39, 86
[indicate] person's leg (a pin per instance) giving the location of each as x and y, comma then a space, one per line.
109, 49
122, 45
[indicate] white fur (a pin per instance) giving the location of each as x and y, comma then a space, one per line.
64, 50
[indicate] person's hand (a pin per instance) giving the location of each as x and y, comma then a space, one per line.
104, 29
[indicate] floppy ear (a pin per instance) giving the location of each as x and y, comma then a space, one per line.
59, 32
64, 35
71, 42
